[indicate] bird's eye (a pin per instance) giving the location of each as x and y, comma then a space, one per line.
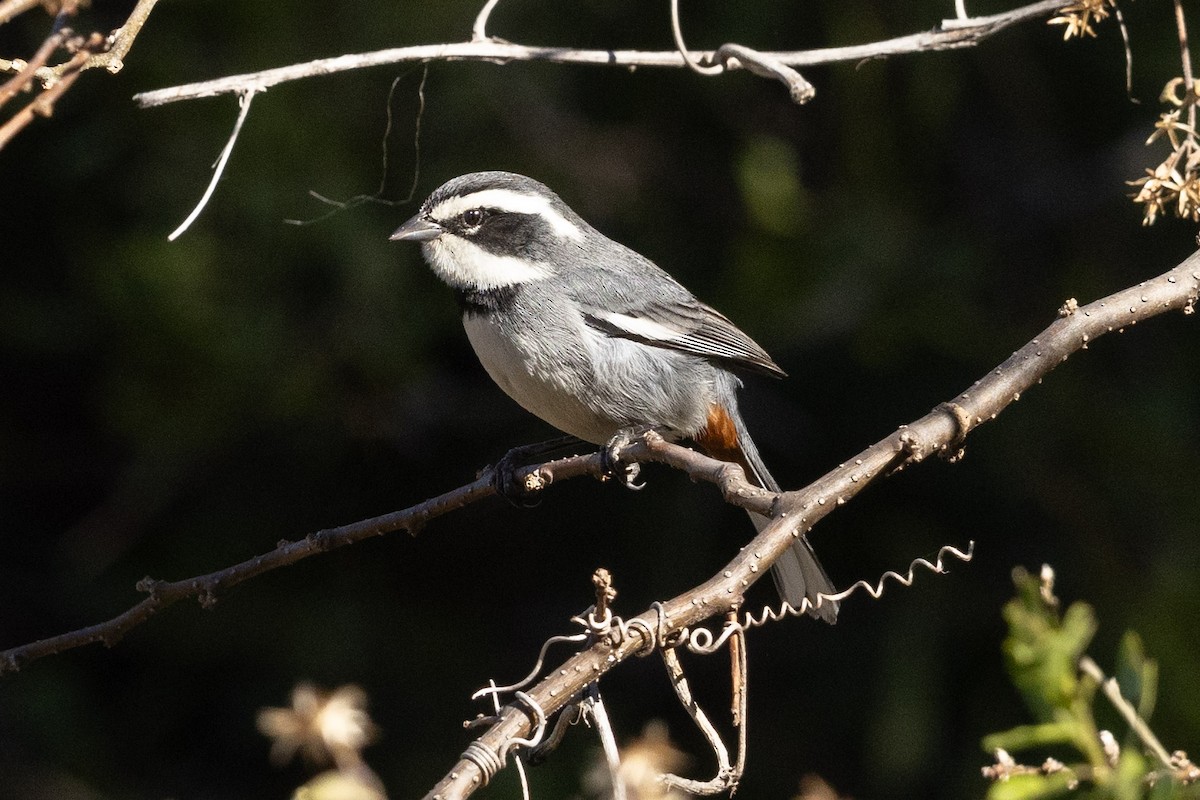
473, 217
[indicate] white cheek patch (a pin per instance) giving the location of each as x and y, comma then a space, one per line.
641, 327
512, 202
464, 264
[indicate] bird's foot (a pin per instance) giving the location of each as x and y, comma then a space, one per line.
613, 467
525, 491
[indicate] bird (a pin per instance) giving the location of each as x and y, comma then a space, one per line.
595, 338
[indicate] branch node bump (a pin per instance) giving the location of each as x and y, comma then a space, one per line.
953, 451
148, 585
911, 445
535, 481
207, 598
480, 721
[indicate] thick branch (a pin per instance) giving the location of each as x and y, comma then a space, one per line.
941, 431
949, 35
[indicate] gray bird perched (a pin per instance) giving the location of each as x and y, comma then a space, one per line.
594, 338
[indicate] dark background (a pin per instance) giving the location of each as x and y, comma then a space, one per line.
172, 408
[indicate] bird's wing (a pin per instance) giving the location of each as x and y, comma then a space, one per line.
682, 323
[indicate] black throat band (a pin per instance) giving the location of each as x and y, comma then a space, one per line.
487, 301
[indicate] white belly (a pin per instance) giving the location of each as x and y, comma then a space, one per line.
551, 391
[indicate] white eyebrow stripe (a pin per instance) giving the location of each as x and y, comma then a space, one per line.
510, 201
641, 327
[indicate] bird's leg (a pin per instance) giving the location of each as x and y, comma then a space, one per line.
625, 473
504, 474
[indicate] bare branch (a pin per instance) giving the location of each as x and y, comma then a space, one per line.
206, 587
122, 39
27, 74
941, 431
95, 50
1185, 57
728, 775
593, 706
43, 104
951, 34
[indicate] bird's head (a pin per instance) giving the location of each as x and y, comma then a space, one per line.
490, 230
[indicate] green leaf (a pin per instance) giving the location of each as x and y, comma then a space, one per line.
1031, 787
1026, 737
1042, 651
1136, 674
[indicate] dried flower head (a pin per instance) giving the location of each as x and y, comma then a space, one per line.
1077, 18
1170, 126
1174, 185
1178, 93
322, 726
1157, 191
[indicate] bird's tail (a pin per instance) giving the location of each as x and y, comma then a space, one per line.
797, 573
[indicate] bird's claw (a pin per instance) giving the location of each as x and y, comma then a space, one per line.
612, 467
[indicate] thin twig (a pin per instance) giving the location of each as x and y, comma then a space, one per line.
122, 39
763, 65
1124, 29
723, 780
119, 43
26, 76
205, 588
951, 34
43, 104
593, 706
218, 168
479, 29
1112, 690
13, 8
96, 50
1185, 56
738, 653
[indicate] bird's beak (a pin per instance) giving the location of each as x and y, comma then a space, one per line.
417, 229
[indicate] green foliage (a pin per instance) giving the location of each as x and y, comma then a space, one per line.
1137, 674
1043, 653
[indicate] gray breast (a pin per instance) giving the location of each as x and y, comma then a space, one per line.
543, 354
